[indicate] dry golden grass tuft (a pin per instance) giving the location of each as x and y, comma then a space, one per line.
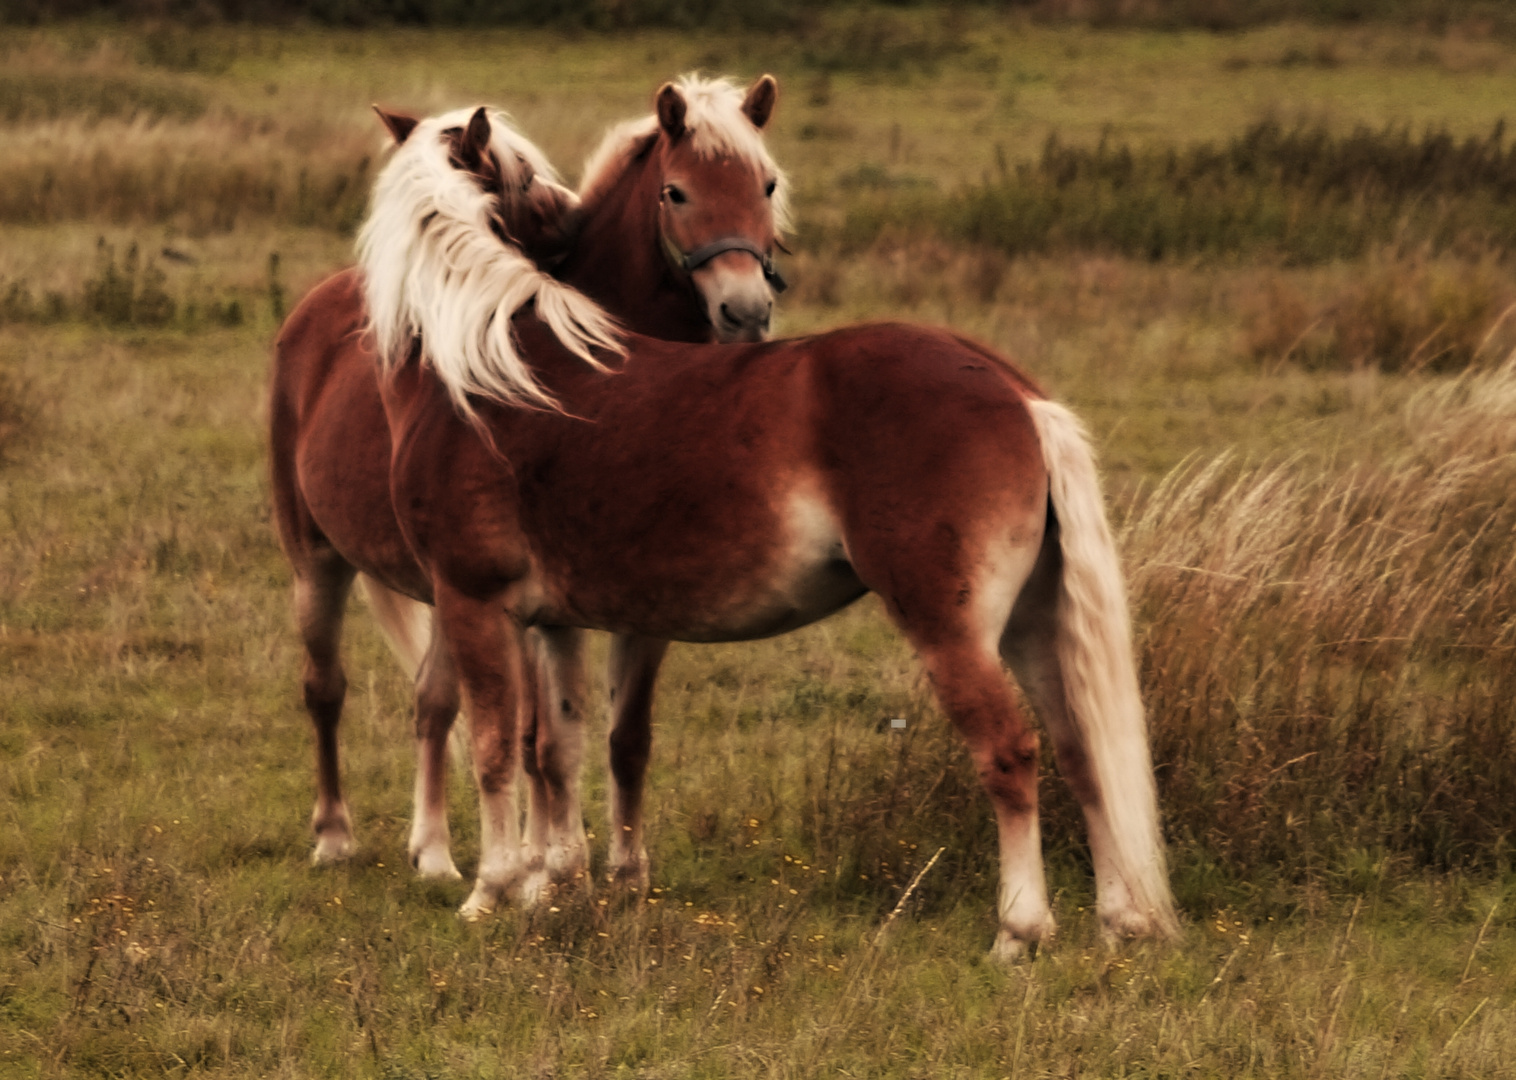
1330, 654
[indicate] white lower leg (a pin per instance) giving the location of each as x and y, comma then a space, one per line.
502, 861
430, 843
568, 849
1025, 917
557, 851
334, 832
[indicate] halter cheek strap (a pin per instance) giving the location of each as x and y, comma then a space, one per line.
703, 254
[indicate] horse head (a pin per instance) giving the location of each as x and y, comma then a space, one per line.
716, 210
463, 214
531, 209
697, 182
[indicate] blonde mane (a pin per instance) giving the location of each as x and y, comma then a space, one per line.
717, 126
434, 269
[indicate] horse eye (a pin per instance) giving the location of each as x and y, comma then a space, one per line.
768, 189
526, 181
674, 195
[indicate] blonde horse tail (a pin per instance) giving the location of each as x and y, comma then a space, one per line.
406, 623
1095, 655
407, 628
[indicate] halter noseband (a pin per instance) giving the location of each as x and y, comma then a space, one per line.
688, 261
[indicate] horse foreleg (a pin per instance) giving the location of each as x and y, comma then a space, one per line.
486, 649
436, 709
321, 590
634, 666
552, 754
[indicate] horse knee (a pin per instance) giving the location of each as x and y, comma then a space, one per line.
1008, 771
324, 691
1075, 767
630, 749
543, 761
494, 751
437, 704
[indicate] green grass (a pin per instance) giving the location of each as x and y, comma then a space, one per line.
1352, 913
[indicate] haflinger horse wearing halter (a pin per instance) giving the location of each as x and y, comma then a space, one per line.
659, 198
731, 492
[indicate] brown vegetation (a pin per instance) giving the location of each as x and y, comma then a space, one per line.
1330, 657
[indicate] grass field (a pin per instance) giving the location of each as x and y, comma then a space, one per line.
1311, 461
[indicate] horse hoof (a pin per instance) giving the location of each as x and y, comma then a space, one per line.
1124, 925
1014, 945
535, 888
481, 902
435, 866
1009, 949
332, 849
567, 865
632, 877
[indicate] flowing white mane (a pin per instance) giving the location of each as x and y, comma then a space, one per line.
433, 268
717, 126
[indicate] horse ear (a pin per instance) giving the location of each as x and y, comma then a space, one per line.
671, 108
758, 106
476, 138
399, 125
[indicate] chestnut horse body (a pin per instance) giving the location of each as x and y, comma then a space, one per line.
693, 177
713, 493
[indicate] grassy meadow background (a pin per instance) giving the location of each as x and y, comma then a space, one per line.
1272, 268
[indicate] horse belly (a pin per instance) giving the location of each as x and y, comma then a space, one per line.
774, 568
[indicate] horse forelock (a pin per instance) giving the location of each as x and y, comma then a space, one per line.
434, 268
717, 127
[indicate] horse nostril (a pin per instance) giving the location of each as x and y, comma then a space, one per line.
731, 320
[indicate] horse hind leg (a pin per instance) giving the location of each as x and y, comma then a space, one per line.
972, 689
321, 589
634, 666
953, 609
437, 704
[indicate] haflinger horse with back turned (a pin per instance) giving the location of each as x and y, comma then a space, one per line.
544, 478
673, 232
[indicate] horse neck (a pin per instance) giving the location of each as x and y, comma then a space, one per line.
618, 259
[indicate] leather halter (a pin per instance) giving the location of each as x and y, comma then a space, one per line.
703, 254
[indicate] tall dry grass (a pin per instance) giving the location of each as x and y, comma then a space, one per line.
1329, 656
214, 173
1396, 314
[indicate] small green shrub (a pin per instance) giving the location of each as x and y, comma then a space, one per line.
129, 295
